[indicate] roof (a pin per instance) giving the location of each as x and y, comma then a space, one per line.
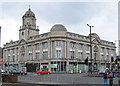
29, 13
58, 27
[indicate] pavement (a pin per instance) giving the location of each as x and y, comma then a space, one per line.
63, 79
32, 79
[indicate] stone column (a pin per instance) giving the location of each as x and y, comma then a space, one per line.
67, 66
49, 64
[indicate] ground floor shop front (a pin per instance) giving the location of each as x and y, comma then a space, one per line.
57, 66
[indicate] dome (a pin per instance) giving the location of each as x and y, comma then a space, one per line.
58, 27
29, 13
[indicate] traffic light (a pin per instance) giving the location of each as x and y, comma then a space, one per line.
86, 61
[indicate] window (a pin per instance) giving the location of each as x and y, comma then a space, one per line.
13, 50
102, 49
16, 50
45, 54
45, 45
88, 55
58, 43
22, 33
80, 55
8, 51
112, 51
58, 53
37, 46
71, 45
87, 47
30, 56
29, 47
72, 54
107, 57
107, 51
37, 55
102, 57
80, 46
13, 58
8, 58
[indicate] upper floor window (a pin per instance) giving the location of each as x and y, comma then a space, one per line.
80, 55
16, 50
45, 45
58, 43
30, 56
102, 49
112, 51
87, 47
22, 33
45, 54
37, 46
37, 55
8, 58
107, 50
29, 47
58, 53
13, 50
72, 54
102, 57
80, 46
71, 45
88, 55
8, 51
13, 58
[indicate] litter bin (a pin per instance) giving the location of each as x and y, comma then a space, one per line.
9, 78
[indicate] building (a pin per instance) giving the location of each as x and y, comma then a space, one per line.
56, 51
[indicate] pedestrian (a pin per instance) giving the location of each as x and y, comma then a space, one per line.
111, 78
105, 78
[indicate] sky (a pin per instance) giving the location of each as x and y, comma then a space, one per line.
73, 15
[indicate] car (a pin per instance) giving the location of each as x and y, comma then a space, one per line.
42, 71
102, 71
17, 72
2, 71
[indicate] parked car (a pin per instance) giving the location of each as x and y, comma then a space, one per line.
2, 71
102, 71
42, 71
18, 72
115, 71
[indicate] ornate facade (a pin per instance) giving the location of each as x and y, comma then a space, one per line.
56, 51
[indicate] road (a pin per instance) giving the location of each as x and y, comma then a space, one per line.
63, 79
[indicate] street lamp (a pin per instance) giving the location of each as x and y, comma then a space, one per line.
90, 46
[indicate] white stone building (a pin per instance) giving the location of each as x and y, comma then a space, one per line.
56, 51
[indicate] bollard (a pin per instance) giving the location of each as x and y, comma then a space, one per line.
85, 73
80, 71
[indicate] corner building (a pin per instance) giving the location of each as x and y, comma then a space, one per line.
56, 51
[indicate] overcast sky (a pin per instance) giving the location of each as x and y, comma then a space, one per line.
73, 15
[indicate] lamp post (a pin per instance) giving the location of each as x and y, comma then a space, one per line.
90, 47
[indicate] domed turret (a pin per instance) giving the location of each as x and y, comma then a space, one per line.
29, 13
29, 19
58, 27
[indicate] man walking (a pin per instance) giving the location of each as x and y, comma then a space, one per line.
111, 78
